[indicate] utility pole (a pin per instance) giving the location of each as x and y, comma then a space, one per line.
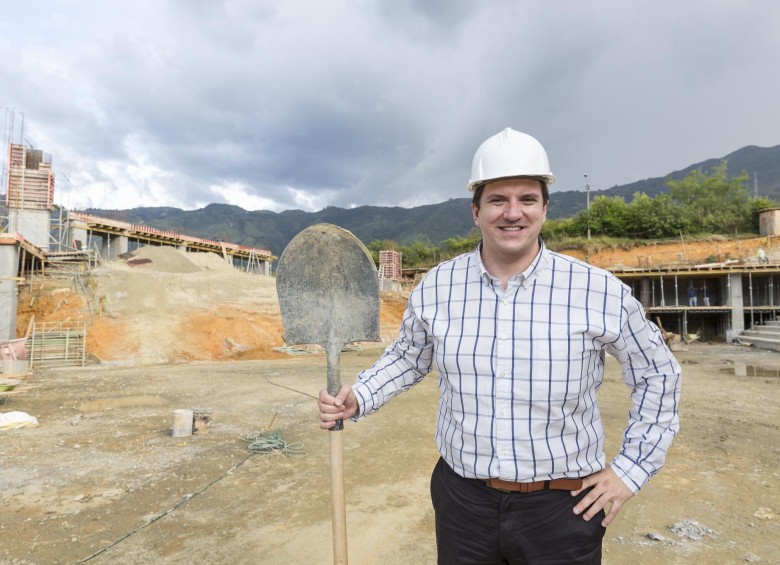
587, 196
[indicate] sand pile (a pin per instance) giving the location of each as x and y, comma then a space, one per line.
210, 262
172, 260
163, 259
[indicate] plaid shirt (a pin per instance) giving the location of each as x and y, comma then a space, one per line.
519, 370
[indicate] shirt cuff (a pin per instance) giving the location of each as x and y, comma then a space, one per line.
632, 475
361, 393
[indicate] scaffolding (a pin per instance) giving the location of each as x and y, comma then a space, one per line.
254, 265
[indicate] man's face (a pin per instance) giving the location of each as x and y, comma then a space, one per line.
510, 214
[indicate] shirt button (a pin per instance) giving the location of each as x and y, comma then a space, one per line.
503, 337
502, 374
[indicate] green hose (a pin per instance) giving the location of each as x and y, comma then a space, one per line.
268, 442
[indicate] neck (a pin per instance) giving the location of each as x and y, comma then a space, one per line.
504, 267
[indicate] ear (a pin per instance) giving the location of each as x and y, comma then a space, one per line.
475, 213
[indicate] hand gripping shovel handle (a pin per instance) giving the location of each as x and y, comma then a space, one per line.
339, 511
333, 351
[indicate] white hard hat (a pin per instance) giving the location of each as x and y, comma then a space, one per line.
509, 154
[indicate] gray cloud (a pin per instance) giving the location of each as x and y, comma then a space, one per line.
300, 104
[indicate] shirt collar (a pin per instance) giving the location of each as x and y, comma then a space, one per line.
537, 266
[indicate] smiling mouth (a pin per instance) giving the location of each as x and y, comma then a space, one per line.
511, 228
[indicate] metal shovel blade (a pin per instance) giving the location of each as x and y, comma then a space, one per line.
328, 289
329, 295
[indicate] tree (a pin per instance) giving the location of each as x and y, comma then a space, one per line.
420, 254
712, 203
650, 218
455, 246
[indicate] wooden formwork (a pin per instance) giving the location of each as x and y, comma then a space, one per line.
390, 264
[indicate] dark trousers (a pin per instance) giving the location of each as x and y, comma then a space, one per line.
476, 524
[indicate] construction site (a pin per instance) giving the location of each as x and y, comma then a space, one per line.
109, 328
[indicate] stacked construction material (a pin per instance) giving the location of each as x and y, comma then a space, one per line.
390, 264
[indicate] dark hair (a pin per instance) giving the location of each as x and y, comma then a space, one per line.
480, 189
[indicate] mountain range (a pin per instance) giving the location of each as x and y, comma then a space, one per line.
433, 222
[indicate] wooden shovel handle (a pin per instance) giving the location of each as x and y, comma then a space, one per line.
339, 516
338, 503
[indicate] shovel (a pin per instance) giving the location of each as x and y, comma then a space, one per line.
329, 295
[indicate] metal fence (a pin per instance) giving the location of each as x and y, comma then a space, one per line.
58, 344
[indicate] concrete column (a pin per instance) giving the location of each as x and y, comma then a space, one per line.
737, 306
663, 298
645, 294
121, 245
113, 246
78, 238
9, 265
33, 225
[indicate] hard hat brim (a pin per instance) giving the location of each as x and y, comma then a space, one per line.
546, 179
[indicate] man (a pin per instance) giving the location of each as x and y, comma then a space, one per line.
517, 335
692, 295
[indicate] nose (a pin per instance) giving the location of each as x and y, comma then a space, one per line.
513, 209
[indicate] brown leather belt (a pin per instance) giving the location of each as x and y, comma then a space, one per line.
554, 484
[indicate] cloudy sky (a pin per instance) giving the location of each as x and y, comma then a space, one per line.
300, 104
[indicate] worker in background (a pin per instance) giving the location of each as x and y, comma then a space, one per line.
705, 295
692, 295
761, 255
517, 335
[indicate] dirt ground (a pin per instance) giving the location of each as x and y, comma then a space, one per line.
716, 249
102, 480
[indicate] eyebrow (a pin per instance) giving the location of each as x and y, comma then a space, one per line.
529, 196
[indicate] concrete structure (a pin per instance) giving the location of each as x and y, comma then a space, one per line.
30, 194
17, 257
764, 336
112, 238
738, 296
9, 266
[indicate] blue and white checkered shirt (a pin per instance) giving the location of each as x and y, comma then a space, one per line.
519, 370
